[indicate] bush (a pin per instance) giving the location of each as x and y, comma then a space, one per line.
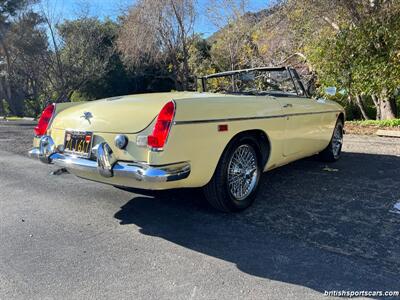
79, 97
4, 108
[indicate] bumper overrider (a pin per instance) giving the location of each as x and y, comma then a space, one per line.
106, 164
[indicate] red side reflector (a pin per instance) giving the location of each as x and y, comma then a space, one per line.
223, 127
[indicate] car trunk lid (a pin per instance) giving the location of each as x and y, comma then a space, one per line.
126, 114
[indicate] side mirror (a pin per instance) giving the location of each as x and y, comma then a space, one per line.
331, 91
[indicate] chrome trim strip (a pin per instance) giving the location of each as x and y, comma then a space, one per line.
253, 118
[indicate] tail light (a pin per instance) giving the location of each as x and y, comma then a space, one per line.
44, 120
161, 129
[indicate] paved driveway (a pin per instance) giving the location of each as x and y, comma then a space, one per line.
312, 229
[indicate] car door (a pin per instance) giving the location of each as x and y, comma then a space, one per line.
303, 125
304, 119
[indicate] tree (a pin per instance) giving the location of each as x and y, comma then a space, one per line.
117, 79
343, 42
233, 46
14, 97
362, 57
113, 80
27, 42
377, 59
82, 55
157, 32
200, 57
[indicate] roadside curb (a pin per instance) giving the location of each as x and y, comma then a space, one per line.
388, 133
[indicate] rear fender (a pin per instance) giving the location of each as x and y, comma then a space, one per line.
59, 107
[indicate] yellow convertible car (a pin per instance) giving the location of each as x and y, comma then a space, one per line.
221, 138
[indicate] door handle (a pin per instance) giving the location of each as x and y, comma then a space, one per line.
287, 105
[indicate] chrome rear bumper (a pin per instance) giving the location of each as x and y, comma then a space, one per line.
107, 166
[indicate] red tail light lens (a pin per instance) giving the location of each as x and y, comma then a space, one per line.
163, 124
44, 120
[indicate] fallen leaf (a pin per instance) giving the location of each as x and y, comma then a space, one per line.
59, 171
330, 169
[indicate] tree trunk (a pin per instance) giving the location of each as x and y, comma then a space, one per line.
2, 112
177, 81
360, 104
2, 97
376, 101
12, 95
182, 33
17, 103
387, 108
185, 67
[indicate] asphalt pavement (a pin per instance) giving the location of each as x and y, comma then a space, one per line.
314, 228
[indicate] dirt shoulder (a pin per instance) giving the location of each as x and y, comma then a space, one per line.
352, 128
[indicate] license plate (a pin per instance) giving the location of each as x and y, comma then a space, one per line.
78, 143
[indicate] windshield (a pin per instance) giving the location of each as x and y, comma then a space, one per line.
278, 82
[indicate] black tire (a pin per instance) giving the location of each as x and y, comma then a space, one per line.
219, 193
333, 151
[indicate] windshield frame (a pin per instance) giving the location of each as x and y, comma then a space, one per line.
294, 76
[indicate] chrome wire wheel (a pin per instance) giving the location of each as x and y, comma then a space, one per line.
242, 172
337, 141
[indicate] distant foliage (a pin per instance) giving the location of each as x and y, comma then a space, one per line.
362, 56
157, 32
352, 45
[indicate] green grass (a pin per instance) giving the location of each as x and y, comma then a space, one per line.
13, 118
378, 123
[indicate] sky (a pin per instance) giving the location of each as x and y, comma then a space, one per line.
70, 9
